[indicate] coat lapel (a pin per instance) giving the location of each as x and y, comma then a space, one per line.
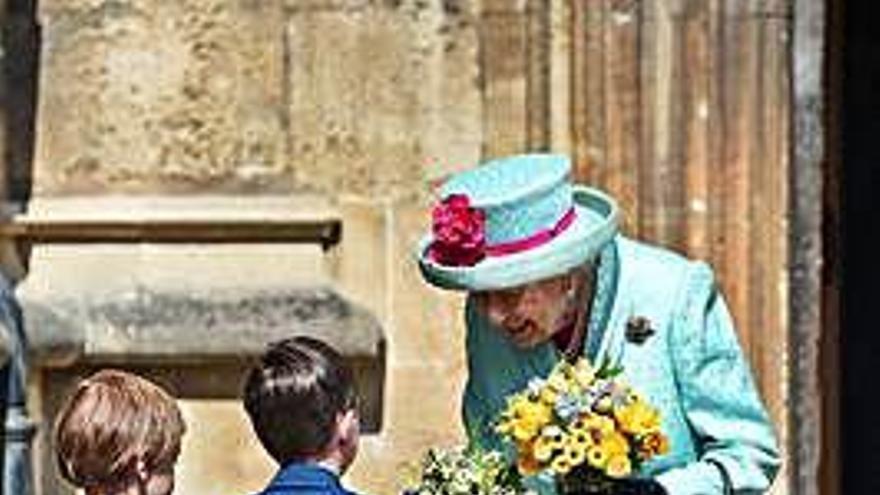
606, 306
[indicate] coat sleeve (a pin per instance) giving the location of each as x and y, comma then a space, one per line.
737, 448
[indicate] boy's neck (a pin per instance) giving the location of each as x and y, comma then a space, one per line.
329, 462
330, 465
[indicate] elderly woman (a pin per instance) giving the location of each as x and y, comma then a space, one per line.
119, 434
548, 277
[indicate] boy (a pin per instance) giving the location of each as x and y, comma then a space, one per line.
300, 398
119, 434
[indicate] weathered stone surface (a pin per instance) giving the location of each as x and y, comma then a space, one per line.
123, 112
255, 97
379, 97
506, 6
146, 325
302, 5
359, 265
505, 70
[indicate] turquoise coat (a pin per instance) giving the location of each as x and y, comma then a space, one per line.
692, 368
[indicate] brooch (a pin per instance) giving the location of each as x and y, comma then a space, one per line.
638, 329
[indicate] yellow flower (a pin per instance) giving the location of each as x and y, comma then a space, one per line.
558, 382
560, 465
653, 444
543, 448
602, 424
548, 396
579, 425
581, 437
638, 418
597, 456
615, 444
525, 418
618, 466
503, 428
584, 373
604, 405
575, 452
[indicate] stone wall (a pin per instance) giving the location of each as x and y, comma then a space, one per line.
345, 97
363, 103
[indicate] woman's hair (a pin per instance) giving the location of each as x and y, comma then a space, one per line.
113, 421
293, 396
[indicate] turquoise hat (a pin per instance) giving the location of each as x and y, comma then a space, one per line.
513, 221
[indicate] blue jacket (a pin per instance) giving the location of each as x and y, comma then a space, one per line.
692, 368
305, 479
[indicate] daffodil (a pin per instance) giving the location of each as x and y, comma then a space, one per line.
603, 425
524, 418
548, 395
638, 418
615, 444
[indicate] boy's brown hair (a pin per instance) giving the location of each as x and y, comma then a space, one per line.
112, 421
293, 396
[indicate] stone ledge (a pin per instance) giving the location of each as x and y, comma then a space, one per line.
145, 325
223, 331
215, 219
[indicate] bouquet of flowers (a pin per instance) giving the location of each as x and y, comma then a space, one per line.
583, 426
466, 471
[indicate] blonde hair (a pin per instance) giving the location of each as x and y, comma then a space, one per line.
113, 421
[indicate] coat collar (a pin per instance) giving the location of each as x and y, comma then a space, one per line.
305, 478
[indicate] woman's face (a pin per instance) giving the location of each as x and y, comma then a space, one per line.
531, 314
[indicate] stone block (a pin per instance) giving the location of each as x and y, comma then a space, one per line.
256, 97
505, 6
359, 265
316, 5
160, 97
382, 97
505, 65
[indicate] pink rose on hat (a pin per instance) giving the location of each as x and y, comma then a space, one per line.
459, 232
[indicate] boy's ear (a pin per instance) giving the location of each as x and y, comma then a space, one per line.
347, 437
348, 425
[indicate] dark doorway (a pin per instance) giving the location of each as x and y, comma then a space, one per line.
860, 249
18, 99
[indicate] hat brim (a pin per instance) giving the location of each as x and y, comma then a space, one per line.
595, 225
